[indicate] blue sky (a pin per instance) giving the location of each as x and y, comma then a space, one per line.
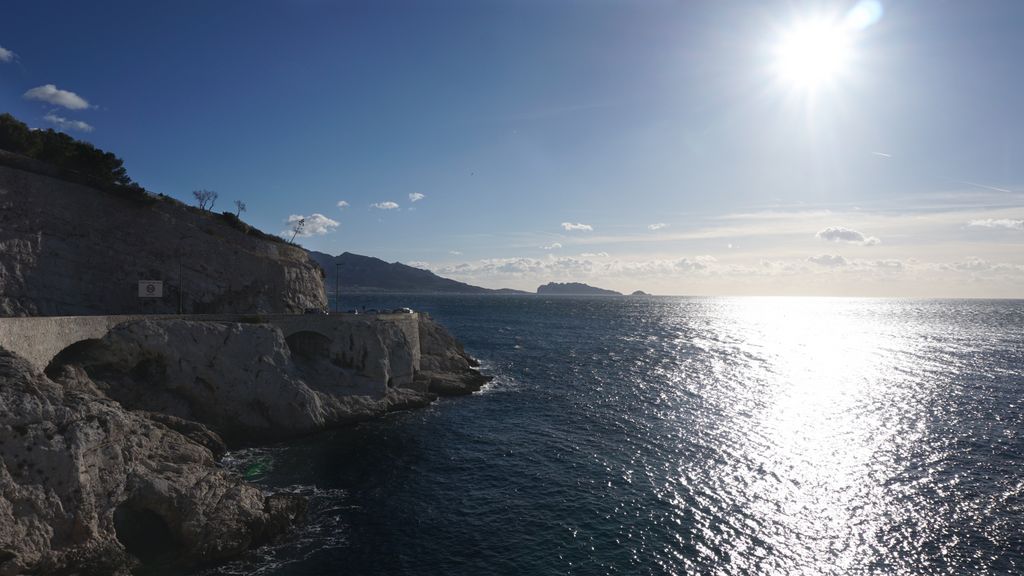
632, 145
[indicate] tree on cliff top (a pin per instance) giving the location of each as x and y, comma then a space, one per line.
205, 198
64, 152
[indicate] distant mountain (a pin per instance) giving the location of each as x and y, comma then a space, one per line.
573, 288
367, 274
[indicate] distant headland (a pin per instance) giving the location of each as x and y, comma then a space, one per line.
574, 289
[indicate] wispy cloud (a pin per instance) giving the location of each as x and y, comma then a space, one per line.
342, 204
315, 225
6, 55
552, 246
569, 227
455, 253
65, 124
882, 154
839, 234
418, 264
998, 223
985, 186
828, 260
416, 197
657, 226
388, 205
52, 95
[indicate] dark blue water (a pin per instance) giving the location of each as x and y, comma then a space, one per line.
673, 435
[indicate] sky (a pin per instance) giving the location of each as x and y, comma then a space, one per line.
867, 148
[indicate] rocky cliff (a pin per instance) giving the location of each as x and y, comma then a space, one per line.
87, 487
68, 249
246, 381
109, 458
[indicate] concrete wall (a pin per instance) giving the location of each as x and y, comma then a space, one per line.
40, 339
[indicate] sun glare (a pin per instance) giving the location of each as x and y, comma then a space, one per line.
813, 54
817, 52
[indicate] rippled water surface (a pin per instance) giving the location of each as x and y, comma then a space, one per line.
675, 435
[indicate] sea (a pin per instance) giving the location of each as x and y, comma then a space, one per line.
670, 435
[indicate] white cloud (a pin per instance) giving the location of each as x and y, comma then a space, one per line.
455, 253
65, 124
342, 204
388, 205
52, 95
552, 246
416, 197
418, 264
828, 260
657, 226
6, 55
586, 267
998, 223
315, 225
839, 234
569, 226
979, 265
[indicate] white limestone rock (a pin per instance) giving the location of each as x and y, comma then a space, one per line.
245, 382
67, 249
81, 477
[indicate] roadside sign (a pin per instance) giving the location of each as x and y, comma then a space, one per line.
151, 289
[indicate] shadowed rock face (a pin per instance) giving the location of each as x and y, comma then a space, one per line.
108, 458
67, 249
245, 380
445, 368
74, 466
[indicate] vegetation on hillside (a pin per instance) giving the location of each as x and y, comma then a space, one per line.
81, 162
74, 159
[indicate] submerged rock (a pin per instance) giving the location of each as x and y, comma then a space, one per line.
88, 487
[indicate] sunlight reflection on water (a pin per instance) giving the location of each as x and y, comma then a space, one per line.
653, 436
826, 403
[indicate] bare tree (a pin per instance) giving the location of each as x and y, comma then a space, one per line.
297, 227
205, 198
240, 208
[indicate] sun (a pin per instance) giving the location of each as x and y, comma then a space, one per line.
813, 54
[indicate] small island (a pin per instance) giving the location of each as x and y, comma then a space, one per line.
639, 293
574, 289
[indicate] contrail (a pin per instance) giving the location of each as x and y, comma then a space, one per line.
1004, 190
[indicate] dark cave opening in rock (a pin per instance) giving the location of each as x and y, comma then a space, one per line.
144, 534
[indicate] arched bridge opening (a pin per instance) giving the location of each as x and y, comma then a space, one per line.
75, 353
309, 345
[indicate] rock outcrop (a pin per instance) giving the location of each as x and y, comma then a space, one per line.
68, 249
246, 381
88, 487
108, 459
445, 368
